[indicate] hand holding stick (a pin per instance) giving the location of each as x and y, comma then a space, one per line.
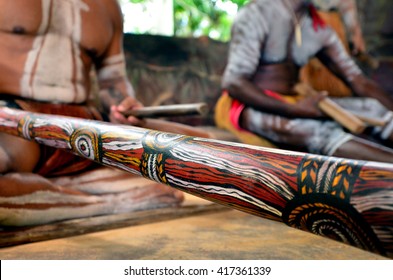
328, 103
149, 115
333, 110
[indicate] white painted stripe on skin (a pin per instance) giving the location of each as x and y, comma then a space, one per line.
49, 197
102, 204
332, 147
24, 217
77, 37
54, 54
114, 59
113, 71
388, 130
114, 67
26, 89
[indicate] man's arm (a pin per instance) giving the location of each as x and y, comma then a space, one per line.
116, 92
246, 92
349, 11
336, 59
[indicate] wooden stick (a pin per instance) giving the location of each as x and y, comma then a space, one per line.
347, 200
147, 113
333, 110
169, 110
371, 121
343, 117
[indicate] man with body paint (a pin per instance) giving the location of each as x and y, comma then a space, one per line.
47, 52
270, 41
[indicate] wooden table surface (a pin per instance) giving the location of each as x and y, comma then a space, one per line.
228, 234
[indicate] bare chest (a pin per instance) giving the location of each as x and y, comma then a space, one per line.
81, 22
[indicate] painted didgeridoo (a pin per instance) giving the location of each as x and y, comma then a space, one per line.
346, 200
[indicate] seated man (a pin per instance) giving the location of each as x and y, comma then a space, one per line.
270, 41
47, 52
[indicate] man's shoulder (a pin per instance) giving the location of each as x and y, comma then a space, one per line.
112, 6
258, 6
258, 9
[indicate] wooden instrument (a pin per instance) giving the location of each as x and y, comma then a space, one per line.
346, 200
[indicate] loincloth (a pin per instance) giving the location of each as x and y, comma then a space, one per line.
56, 162
227, 114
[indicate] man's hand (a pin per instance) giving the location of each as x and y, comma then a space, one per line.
359, 46
308, 107
116, 112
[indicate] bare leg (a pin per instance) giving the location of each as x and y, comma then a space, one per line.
17, 154
361, 149
22, 193
29, 199
314, 136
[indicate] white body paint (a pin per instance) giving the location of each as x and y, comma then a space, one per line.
54, 69
113, 67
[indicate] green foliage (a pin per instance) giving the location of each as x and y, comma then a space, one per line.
202, 17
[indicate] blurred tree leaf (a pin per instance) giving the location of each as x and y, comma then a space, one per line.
202, 18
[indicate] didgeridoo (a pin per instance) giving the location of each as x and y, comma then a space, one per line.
346, 200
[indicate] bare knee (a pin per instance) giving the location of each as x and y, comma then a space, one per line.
361, 149
17, 154
5, 161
